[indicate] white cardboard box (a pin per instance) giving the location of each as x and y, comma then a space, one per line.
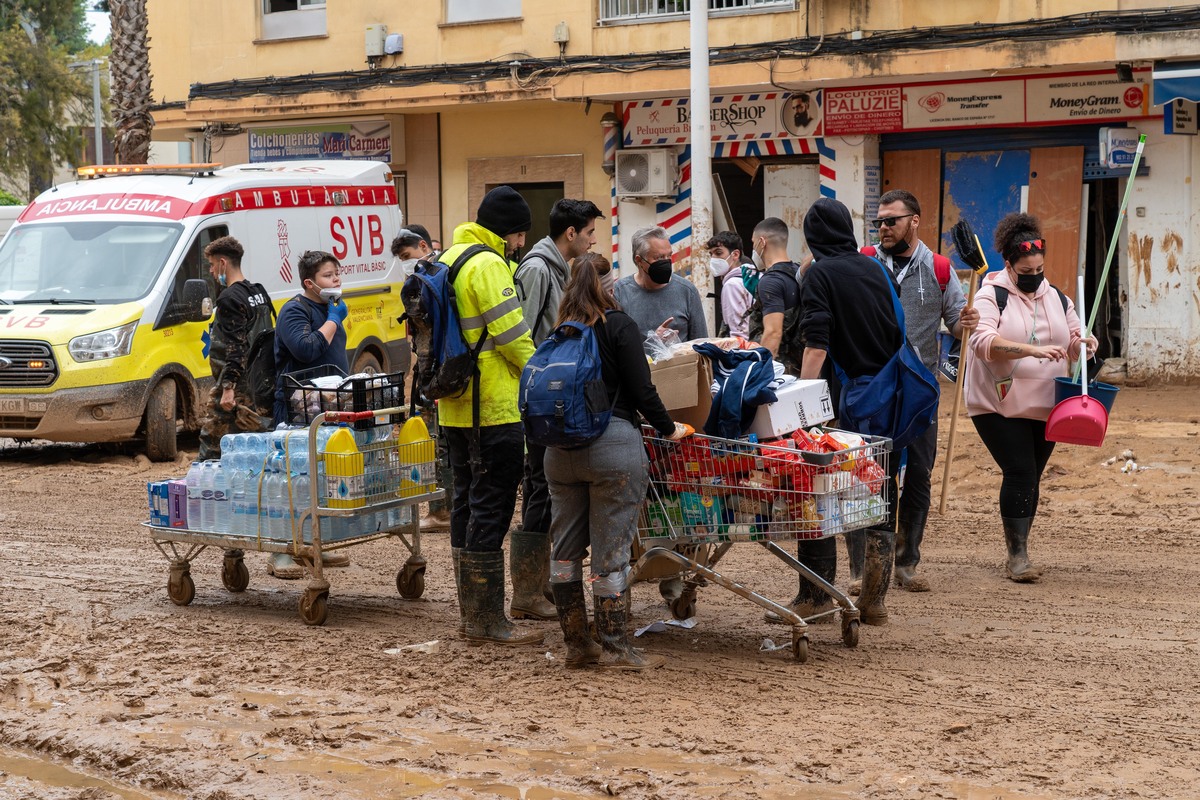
798, 405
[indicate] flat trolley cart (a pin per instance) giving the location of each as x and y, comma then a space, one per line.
387, 481
707, 494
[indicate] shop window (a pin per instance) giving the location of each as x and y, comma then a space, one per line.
292, 19
481, 10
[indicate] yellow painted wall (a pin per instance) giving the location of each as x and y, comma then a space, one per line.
536, 129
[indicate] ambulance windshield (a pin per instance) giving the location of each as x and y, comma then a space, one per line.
84, 262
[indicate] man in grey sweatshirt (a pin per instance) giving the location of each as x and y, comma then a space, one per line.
540, 280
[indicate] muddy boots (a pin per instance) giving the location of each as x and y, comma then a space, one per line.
877, 574
455, 555
908, 551
582, 649
856, 549
1016, 537
811, 599
481, 587
529, 566
612, 619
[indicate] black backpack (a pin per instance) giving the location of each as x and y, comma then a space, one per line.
791, 343
258, 377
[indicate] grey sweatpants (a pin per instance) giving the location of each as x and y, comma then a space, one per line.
595, 495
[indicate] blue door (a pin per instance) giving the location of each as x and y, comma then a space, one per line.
981, 188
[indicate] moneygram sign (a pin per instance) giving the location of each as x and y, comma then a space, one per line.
368, 139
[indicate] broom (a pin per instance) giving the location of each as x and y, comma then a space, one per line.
970, 251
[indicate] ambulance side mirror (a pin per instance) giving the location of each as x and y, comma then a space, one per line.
197, 304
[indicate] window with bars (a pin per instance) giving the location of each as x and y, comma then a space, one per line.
642, 10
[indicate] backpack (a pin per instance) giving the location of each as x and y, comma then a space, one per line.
258, 378
948, 364
446, 363
791, 343
563, 400
900, 401
1002, 298
941, 266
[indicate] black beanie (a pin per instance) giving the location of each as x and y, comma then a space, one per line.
504, 211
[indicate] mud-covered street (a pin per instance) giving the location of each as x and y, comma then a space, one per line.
1082, 686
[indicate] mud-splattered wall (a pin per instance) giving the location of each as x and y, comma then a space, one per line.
1160, 274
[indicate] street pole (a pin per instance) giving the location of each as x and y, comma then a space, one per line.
701, 142
96, 119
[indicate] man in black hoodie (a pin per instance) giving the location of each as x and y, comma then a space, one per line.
848, 316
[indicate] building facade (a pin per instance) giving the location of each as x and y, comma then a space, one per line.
980, 108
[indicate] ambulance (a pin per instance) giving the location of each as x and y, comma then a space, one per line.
106, 300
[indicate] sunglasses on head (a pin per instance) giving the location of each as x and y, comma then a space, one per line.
888, 221
1031, 246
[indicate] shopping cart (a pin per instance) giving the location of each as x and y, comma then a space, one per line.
707, 494
388, 479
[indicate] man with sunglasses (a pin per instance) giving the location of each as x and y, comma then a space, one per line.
928, 299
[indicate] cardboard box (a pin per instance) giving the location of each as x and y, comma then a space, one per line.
798, 405
177, 496
684, 384
156, 494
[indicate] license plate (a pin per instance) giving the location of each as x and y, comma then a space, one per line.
12, 405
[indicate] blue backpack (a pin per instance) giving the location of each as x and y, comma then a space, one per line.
446, 364
563, 400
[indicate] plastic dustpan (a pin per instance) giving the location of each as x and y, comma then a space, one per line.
1079, 420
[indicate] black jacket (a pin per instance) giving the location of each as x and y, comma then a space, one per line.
623, 365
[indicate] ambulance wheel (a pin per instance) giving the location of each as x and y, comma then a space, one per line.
161, 428
234, 574
367, 362
799, 647
180, 586
314, 607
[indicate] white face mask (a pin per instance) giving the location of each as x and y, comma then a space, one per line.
406, 265
331, 295
718, 267
758, 261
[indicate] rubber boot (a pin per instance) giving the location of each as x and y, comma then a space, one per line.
582, 649
481, 582
908, 552
455, 554
1016, 537
877, 574
529, 566
612, 618
811, 599
856, 548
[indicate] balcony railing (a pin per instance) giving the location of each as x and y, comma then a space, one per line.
653, 10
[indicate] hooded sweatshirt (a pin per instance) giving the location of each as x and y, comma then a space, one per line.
847, 303
541, 279
1022, 387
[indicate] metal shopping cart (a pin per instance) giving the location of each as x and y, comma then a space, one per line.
707, 494
352, 498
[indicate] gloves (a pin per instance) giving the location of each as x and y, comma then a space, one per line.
338, 312
681, 431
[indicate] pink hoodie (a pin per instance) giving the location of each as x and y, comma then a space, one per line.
1031, 393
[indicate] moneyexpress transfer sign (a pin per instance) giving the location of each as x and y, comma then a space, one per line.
370, 140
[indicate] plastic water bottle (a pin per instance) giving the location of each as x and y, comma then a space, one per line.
193, 496
238, 479
276, 499
300, 500
206, 496
222, 511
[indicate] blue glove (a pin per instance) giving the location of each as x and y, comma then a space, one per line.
338, 312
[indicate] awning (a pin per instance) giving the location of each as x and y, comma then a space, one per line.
1175, 80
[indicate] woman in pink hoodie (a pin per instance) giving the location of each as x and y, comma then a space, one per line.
1028, 331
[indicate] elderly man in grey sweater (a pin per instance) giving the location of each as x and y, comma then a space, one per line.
540, 279
926, 305
657, 298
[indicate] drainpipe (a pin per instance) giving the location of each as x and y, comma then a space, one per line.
702, 187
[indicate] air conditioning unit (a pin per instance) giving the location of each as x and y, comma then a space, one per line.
646, 172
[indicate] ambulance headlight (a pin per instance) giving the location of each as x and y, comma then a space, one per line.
104, 344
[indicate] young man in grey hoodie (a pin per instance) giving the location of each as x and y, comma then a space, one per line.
540, 279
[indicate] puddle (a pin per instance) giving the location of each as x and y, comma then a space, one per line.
42, 771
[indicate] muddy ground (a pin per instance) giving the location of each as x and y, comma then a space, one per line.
1083, 686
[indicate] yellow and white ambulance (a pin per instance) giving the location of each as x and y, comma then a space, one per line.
104, 326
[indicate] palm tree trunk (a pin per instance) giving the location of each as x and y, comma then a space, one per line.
131, 95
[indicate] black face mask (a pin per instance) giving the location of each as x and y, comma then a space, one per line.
660, 271
897, 249
1030, 283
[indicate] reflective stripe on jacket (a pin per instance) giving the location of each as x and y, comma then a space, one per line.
487, 300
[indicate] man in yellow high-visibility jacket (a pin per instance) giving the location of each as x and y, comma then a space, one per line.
488, 463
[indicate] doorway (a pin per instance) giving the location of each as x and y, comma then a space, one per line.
541, 198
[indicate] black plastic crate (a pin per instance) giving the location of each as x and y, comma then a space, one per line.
305, 401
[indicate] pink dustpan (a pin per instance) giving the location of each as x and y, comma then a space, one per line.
1078, 420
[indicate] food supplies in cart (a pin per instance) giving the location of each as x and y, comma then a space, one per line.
318, 390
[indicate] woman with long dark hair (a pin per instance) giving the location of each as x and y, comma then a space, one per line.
596, 491
1028, 331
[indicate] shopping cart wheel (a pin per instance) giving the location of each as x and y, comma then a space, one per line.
849, 632
410, 580
684, 606
234, 573
799, 646
180, 586
314, 606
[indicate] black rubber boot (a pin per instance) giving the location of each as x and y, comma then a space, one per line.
455, 553
529, 567
877, 574
582, 649
1016, 537
612, 619
481, 582
811, 599
856, 549
908, 551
